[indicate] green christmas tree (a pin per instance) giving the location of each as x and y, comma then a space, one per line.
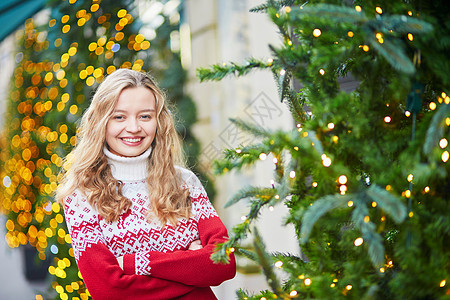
364, 173
59, 64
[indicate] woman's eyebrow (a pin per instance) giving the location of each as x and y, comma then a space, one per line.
144, 110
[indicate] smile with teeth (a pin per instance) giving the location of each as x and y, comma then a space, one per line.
131, 140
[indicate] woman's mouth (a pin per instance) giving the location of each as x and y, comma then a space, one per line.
132, 140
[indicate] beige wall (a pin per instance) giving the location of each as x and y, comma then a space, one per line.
223, 31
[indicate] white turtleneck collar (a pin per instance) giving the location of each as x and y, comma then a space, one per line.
128, 168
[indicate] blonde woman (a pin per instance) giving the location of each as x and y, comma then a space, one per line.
141, 226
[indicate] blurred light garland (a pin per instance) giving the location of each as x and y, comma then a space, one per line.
89, 40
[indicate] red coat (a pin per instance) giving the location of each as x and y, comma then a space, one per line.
157, 264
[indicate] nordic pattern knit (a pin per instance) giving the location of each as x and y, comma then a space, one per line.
157, 264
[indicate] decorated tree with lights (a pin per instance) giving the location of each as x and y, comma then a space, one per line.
364, 173
59, 64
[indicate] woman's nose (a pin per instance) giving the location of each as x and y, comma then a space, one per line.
133, 125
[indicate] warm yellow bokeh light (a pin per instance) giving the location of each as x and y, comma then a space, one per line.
65, 18
65, 28
342, 179
358, 242
95, 7
121, 13
445, 156
139, 38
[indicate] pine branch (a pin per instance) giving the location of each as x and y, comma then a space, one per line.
404, 24
284, 187
394, 54
283, 82
255, 208
266, 262
295, 105
317, 143
256, 130
264, 194
220, 254
242, 295
278, 17
319, 208
367, 228
390, 49
332, 13
436, 129
288, 59
236, 160
285, 256
372, 292
388, 202
272, 4
219, 71
249, 254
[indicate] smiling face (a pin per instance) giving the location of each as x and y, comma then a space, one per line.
132, 126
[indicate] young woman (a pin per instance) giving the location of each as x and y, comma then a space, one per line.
141, 226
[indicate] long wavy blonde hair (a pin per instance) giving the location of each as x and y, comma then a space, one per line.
87, 168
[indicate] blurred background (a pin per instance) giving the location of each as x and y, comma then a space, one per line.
53, 54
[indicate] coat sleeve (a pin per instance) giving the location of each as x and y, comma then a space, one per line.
190, 267
99, 267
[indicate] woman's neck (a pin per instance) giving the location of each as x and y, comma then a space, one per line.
128, 168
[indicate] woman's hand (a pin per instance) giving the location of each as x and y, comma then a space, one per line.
195, 245
120, 261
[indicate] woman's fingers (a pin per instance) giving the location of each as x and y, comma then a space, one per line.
195, 245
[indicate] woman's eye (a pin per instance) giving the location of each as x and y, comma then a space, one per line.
145, 117
118, 117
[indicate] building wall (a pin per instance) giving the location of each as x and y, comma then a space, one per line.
223, 31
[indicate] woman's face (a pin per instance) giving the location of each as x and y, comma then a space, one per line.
132, 127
